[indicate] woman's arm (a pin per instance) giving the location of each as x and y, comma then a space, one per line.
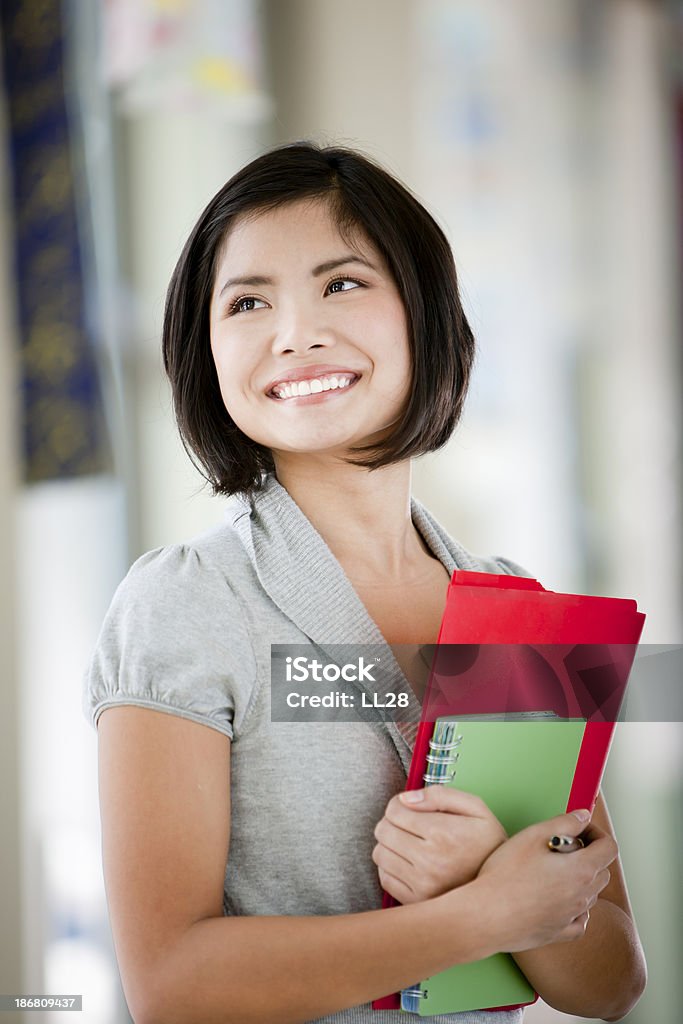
443, 840
164, 798
603, 973
165, 809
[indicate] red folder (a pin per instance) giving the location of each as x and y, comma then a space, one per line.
580, 647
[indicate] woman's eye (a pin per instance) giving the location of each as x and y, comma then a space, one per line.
238, 306
344, 280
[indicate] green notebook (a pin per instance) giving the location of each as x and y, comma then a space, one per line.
523, 769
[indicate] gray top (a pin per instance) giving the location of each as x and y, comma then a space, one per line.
189, 631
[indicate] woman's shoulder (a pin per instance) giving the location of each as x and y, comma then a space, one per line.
176, 636
211, 564
191, 596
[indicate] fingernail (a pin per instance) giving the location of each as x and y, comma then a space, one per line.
413, 796
582, 815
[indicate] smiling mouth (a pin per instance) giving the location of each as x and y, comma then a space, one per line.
314, 388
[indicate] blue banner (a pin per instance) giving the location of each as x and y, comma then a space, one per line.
63, 424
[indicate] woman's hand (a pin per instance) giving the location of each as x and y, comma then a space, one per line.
426, 847
531, 896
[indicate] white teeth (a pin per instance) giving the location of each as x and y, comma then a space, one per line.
295, 389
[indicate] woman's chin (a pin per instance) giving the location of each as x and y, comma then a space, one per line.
320, 449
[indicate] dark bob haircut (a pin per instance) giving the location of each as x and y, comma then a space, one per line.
363, 198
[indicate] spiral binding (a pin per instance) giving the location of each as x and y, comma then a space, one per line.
410, 998
441, 760
443, 754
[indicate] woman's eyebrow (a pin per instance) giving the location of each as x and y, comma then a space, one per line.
322, 268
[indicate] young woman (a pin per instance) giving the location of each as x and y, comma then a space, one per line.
315, 343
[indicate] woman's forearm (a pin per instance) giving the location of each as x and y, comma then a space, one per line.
294, 969
602, 974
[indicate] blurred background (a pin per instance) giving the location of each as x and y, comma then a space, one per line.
547, 140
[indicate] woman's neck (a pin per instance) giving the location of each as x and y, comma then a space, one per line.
364, 517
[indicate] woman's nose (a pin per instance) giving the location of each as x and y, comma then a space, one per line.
299, 332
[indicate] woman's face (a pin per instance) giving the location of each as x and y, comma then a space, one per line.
311, 341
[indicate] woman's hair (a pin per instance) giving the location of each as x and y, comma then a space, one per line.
362, 197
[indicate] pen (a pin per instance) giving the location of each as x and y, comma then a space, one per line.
565, 844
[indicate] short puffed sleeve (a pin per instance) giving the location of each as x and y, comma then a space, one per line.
174, 639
